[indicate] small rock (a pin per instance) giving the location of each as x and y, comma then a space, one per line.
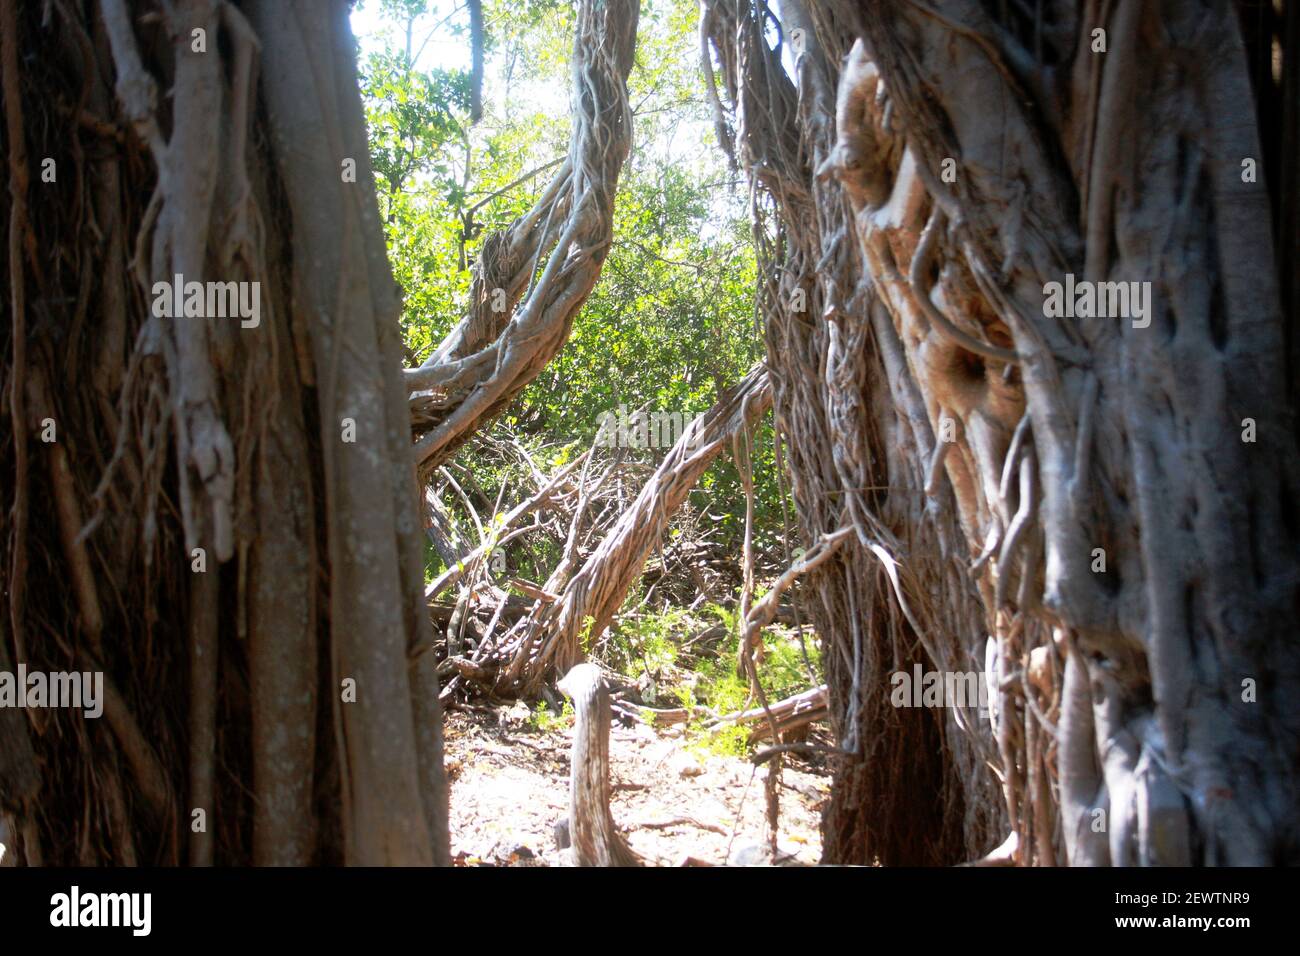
751, 854
562, 839
760, 854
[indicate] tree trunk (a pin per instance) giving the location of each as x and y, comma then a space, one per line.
595, 839
1119, 510
220, 515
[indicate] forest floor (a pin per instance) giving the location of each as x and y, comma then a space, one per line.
672, 798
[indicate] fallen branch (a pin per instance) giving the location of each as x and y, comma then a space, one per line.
679, 822
551, 641
789, 714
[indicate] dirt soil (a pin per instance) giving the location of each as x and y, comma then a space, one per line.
677, 803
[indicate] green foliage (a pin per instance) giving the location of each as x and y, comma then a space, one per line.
729, 740
648, 645
720, 689
544, 720
645, 645
584, 639
671, 321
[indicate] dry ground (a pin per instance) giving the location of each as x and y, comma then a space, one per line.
509, 787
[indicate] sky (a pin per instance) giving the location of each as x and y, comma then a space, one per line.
443, 48
440, 38
437, 44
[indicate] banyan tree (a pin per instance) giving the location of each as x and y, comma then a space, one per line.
1095, 506
1027, 283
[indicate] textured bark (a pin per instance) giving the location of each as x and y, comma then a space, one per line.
913, 786
520, 317
1069, 435
344, 290
550, 641
596, 840
197, 433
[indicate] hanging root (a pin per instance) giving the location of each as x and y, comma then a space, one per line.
917, 276
1018, 530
